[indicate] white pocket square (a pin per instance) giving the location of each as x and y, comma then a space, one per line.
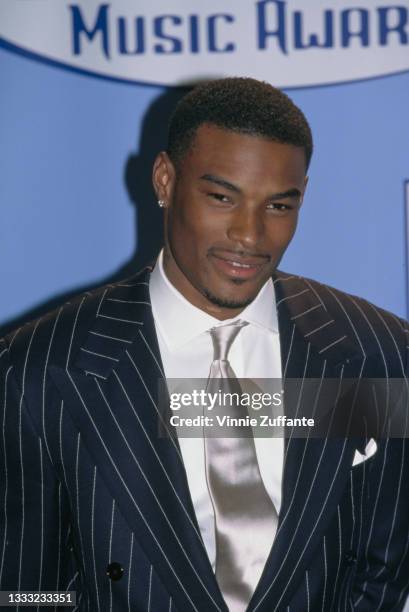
370, 449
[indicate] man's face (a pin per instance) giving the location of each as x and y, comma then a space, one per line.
232, 209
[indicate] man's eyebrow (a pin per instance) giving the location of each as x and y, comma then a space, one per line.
220, 181
290, 193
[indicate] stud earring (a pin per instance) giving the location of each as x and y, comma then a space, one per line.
162, 203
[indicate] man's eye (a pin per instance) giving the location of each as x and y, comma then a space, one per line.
220, 197
278, 206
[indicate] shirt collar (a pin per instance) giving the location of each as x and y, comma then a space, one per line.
179, 321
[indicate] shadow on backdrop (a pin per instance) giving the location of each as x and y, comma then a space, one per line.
148, 215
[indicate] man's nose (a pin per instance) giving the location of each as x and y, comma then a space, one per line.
246, 227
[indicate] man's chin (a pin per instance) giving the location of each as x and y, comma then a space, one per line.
228, 302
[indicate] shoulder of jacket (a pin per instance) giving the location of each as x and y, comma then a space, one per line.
67, 324
347, 304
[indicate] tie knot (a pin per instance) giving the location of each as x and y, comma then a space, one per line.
223, 338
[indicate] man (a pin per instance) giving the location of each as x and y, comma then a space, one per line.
94, 501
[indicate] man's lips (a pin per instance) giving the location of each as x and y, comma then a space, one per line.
239, 265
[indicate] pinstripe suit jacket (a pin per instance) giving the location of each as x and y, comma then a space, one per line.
85, 481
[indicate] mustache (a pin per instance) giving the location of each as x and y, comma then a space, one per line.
240, 252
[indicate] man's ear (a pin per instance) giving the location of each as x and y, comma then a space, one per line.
163, 178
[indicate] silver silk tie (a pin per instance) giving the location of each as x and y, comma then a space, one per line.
245, 517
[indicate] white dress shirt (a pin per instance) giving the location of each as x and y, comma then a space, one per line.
187, 352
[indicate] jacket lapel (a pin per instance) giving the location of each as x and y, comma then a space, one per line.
112, 394
313, 345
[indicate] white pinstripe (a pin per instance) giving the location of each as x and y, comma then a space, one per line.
60, 445
77, 492
94, 374
387, 547
102, 299
129, 573
352, 508
101, 316
44, 379
73, 331
94, 333
332, 344
289, 352
348, 317
301, 314
374, 334
399, 567
296, 414
57, 585
15, 336
127, 301
42, 516
290, 297
6, 479
134, 285
67, 537
93, 536
376, 407
392, 527
400, 564
339, 557
347, 599
170, 604
361, 521
307, 588
110, 551
67, 588
152, 353
99, 354
386, 326
354, 331
313, 331
285, 279
325, 575
150, 589
385, 586
375, 506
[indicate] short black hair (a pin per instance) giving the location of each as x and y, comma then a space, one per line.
242, 105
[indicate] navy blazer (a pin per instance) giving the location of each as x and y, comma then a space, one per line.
92, 500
